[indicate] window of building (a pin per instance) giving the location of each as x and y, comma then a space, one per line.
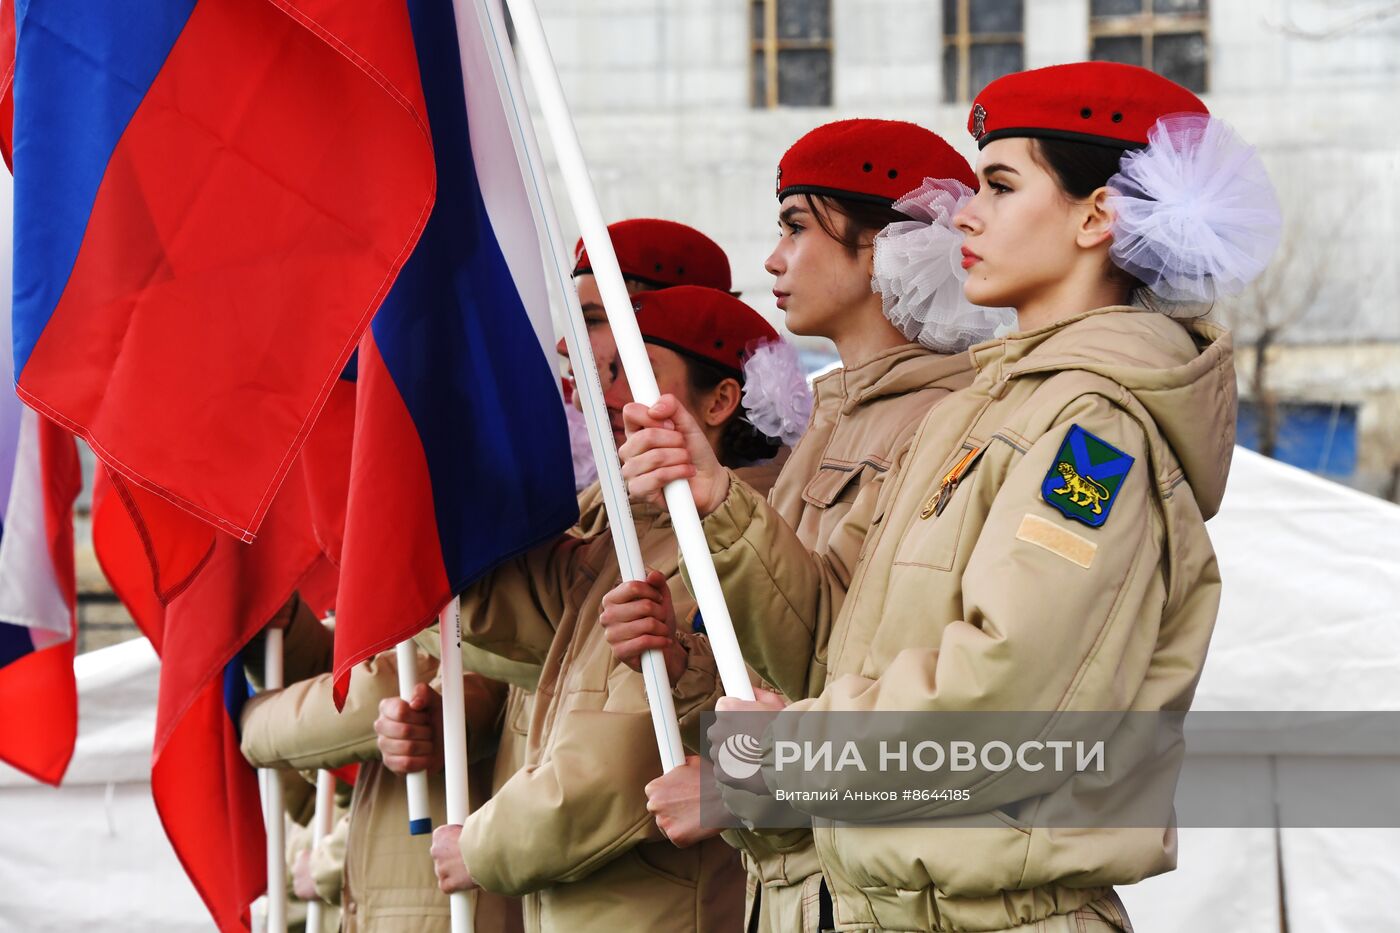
1168, 36
791, 53
982, 40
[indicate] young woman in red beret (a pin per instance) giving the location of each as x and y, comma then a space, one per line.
570, 831
868, 257
1041, 546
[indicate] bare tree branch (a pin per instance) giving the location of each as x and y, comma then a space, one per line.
1302, 277
1357, 23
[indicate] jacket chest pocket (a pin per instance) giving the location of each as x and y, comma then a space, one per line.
518, 712
835, 483
933, 533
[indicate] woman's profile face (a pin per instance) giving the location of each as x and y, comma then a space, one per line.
1021, 228
816, 281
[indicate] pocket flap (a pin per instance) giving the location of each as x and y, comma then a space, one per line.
830, 482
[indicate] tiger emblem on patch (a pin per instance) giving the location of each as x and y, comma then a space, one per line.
1086, 477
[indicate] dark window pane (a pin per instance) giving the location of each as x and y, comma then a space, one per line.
991, 60
758, 21
1179, 7
804, 77
804, 19
1182, 58
950, 18
1125, 49
950, 74
760, 81
1100, 8
994, 16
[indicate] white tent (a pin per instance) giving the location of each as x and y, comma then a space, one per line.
91, 855
1309, 621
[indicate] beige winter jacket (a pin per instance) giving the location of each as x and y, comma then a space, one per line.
389, 884
861, 417
570, 831
960, 587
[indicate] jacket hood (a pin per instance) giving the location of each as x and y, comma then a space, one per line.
1182, 372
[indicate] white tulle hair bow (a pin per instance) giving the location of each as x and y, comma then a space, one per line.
776, 398
919, 273
1196, 215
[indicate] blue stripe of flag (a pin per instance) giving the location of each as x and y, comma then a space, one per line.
82, 69
237, 690
463, 355
15, 642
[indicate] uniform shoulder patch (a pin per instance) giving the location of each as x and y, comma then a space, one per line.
1085, 478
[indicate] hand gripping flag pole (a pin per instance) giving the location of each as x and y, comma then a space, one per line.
420, 820
272, 803
320, 829
571, 324
684, 516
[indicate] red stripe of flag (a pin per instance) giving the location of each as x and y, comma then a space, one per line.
38, 693
254, 213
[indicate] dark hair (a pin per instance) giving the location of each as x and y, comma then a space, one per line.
1081, 169
741, 442
860, 218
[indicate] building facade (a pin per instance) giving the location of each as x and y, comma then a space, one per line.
684, 109
685, 106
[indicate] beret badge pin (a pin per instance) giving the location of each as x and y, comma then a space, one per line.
778, 185
979, 121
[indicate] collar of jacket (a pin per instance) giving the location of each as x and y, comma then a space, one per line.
908, 367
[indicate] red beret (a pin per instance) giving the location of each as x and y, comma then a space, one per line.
1092, 102
661, 253
704, 323
878, 161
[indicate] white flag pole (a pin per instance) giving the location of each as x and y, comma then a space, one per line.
684, 516
272, 803
454, 743
420, 820
320, 829
624, 532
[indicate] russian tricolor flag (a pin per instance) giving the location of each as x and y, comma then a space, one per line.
38, 695
212, 198
39, 479
461, 453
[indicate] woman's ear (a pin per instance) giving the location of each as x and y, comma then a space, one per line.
724, 400
1096, 220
